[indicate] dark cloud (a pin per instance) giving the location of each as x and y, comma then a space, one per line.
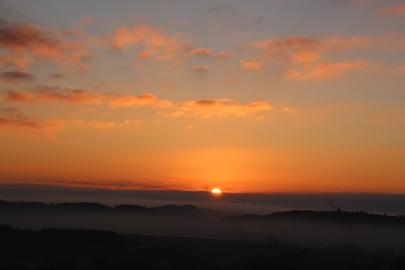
206, 102
13, 117
57, 76
16, 76
201, 69
25, 43
20, 36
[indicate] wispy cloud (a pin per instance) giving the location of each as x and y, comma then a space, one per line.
325, 70
394, 10
204, 108
212, 108
201, 52
13, 117
27, 43
201, 69
321, 58
154, 44
208, 53
16, 76
251, 65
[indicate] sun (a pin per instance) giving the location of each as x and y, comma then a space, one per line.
216, 191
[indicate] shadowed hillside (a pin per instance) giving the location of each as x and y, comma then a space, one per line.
89, 249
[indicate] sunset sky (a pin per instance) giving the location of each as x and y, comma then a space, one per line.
249, 96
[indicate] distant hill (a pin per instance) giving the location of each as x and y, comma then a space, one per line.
337, 216
170, 209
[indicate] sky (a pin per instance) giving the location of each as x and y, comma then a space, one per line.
260, 96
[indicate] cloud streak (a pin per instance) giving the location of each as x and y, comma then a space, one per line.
13, 117
203, 108
214, 108
325, 70
307, 58
153, 43
394, 10
16, 76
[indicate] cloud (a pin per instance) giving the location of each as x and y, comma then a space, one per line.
394, 10
86, 21
208, 53
279, 47
204, 108
67, 95
83, 96
157, 45
222, 55
16, 76
145, 99
25, 44
201, 69
201, 52
153, 43
213, 108
46, 93
290, 47
57, 75
21, 36
13, 117
104, 124
19, 96
251, 65
325, 70
308, 58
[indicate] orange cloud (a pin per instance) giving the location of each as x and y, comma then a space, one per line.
284, 47
66, 94
394, 10
153, 42
86, 21
305, 58
19, 96
201, 52
209, 108
223, 55
45, 93
13, 117
251, 65
325, 70
104, 124
204, 108
200, 69
307, 48
145, 99
83, 96
25, 44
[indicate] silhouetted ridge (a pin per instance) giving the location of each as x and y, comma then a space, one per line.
325, 216
170, 209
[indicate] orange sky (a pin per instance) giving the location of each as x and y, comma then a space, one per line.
245, 97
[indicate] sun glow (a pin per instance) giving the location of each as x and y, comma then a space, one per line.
216, 191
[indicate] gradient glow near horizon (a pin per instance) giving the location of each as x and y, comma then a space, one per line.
248, 96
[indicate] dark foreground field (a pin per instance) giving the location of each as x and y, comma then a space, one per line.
88, 249
97, 236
